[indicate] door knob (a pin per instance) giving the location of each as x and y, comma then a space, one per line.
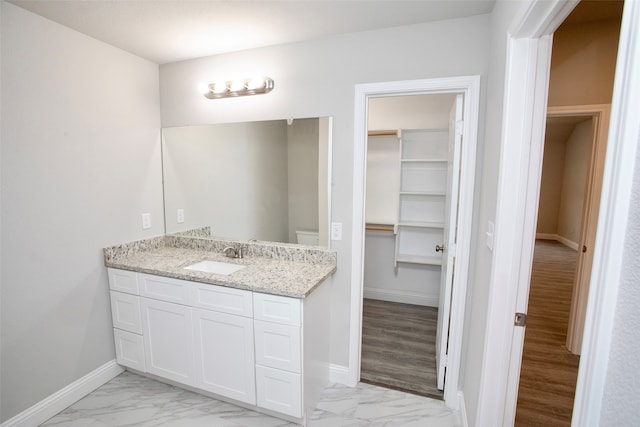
439, 248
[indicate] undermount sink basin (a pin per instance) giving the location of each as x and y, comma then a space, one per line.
216, 267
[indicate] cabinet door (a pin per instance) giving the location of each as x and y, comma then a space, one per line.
224, 355
129, 349
279, 391
168, 340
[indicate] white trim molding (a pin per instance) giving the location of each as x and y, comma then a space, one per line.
558, 238
65, 397
339, 374
470, 87
401, 296
462, 410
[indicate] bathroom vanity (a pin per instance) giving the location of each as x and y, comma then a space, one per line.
257, 336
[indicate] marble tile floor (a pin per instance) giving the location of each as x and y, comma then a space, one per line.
133, 400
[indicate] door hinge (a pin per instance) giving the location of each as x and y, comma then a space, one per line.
443, 362
520, 320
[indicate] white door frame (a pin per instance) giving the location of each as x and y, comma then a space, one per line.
470, 87
526, 83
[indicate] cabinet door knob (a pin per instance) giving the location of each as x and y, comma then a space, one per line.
439, 248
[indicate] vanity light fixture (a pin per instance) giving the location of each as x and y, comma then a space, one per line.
239, 87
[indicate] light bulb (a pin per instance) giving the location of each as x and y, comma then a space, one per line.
236, 85
219, 87
255, 83
203, 88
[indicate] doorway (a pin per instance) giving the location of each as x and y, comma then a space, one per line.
468, 87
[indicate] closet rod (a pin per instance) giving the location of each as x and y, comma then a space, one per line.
379, 227
384, 133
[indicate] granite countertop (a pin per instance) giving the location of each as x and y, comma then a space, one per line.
294, 274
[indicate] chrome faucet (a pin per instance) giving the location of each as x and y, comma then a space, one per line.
232, 252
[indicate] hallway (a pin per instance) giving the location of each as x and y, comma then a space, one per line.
549, 371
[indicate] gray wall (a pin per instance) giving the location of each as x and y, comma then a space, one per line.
80, 163
317, 78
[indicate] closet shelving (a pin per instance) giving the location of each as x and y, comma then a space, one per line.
421, 208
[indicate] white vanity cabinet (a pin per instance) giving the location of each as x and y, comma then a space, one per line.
259, 349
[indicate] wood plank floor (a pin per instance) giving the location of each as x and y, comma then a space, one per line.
398, 347
549, 370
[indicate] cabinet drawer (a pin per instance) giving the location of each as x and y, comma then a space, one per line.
125, 312
279, 391
164, 288
129, 349
278, 346
221, 299
277, 309
123, 281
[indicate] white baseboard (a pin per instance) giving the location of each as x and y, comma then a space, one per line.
340, 374
401, 296
462, 410
65, 397
546, 236
558, 238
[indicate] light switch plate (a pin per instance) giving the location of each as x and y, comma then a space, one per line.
180, 216
146, 221
336, 231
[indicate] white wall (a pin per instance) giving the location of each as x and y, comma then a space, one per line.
80, 163
317, 78
232, 178
621, 399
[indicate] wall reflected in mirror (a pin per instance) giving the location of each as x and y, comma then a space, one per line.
266, 180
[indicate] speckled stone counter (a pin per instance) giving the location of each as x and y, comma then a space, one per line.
272, 268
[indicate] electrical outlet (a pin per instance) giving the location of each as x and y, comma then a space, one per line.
180, 216
336, 231
146, 221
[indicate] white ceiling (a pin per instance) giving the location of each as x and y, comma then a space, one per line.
166, 31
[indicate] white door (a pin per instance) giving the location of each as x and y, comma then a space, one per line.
224, 356
449, 240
